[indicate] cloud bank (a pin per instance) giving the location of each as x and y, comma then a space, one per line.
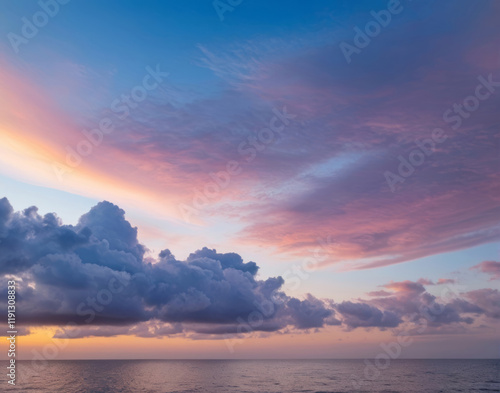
96, 275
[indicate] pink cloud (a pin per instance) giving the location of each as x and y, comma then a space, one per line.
444, 281
167, 153
405, 287
489, 267
425, 281
380, 293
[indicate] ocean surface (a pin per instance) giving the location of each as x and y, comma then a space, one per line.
234, 376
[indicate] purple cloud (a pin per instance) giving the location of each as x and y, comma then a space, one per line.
93, 279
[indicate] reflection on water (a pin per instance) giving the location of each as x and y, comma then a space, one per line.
234, 376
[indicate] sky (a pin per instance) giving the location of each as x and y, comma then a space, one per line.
251, 179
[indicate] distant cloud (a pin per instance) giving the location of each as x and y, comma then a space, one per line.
489, 267
444, 281
405, 287
488, 300
380, 293
364, 315
425, 281
441, 281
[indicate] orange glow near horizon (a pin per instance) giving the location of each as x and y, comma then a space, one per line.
324, 343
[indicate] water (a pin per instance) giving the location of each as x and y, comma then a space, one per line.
235, 376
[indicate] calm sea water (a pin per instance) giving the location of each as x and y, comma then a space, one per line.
234, 376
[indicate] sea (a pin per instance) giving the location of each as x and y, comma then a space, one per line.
251, 376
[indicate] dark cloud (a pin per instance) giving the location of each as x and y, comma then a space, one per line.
26, 237
226, 260
311, 313
365, 315
410, 302
96, 273
93, 279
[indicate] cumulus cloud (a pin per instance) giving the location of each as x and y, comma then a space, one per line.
450, 311
96, 273
365, 315
93, 279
